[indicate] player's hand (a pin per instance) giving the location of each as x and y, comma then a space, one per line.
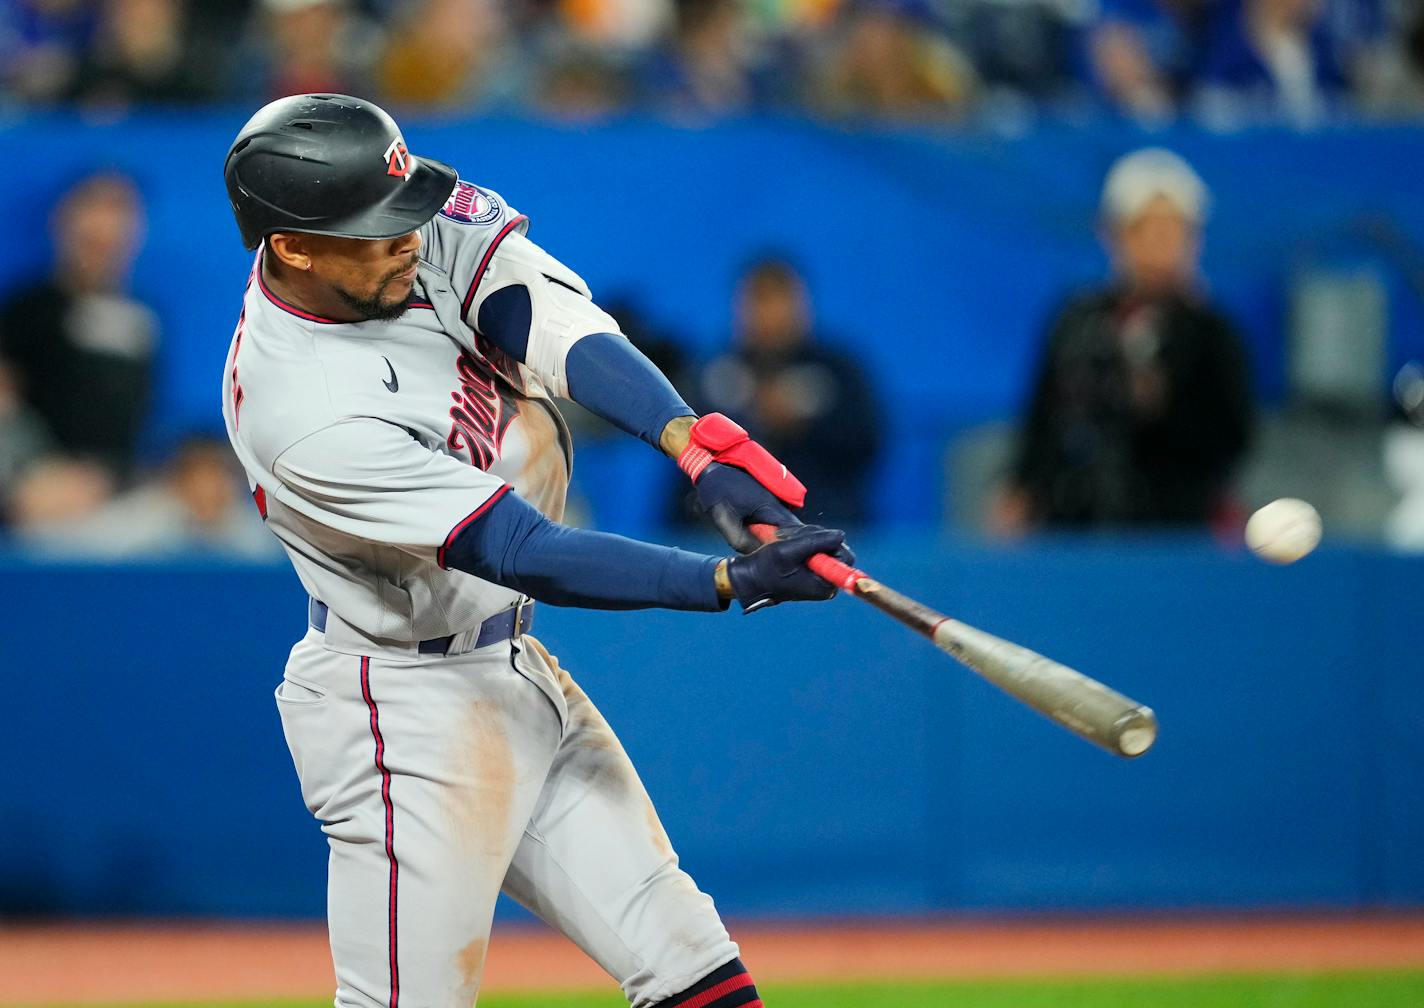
733, 499
777, 571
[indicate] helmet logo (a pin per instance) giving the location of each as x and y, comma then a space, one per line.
398, 159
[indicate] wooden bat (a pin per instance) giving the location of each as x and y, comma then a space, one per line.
1084, 706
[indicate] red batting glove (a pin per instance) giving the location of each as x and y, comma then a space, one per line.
717, 438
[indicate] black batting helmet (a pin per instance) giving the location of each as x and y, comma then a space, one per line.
333, 165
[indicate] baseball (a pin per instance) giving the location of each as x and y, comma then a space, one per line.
1284, 530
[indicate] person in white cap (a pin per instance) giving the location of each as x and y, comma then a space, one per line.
1142, 405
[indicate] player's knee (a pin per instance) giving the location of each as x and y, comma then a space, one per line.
728, 986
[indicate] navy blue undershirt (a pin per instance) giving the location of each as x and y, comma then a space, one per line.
512, 544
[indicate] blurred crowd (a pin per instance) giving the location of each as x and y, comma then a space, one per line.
77, 372
78, 362
1222, 62
1139, 413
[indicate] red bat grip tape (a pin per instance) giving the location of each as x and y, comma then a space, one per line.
839, 574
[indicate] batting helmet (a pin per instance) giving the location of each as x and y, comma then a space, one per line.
333, 165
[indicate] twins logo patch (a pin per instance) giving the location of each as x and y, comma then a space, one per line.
470, 204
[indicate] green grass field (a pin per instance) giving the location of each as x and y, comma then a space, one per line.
1353, 990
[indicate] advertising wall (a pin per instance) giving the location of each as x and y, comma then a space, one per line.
812, 759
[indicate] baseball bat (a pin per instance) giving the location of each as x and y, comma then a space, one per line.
1083, 705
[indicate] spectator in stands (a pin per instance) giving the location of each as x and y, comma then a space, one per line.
23, 437
1143, 53
1141, 409
1021, 49
307, 46
80, 344
41, 42
145, 52
708, 67
447, 53
198, 504
888, 63
55, 495
616, 25
812, 406
1391, 83
1270, 59
579, 83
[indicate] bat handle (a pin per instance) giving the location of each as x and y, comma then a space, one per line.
841, 575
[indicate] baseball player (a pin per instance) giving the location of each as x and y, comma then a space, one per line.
388, 391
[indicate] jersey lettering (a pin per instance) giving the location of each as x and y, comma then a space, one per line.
482, 412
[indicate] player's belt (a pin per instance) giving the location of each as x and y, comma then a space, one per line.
499, 627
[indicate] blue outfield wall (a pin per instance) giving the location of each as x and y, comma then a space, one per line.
813, 759
937, 257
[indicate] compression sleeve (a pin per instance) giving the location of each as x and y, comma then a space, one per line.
610, 377
513, 545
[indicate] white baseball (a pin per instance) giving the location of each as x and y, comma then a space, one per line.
1284, 530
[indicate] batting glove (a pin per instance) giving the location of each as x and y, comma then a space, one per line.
777, 572
738, 481
733, 499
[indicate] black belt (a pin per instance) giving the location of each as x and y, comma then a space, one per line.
512, 622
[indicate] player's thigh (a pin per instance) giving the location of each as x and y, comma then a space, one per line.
423, 777
597, 864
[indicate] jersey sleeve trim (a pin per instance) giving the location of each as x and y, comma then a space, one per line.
484, 262
465, 523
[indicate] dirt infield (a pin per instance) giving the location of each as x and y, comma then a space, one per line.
198, 960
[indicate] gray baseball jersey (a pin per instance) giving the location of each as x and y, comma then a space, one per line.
370, 444
440, 779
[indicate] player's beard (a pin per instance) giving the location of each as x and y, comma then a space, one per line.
376, 308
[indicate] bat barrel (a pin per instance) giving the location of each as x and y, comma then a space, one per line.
1135, 731
1080, 704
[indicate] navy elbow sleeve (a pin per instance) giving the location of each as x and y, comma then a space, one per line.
505, 319
512, 544
610, 377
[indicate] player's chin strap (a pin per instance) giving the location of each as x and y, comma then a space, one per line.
716, 438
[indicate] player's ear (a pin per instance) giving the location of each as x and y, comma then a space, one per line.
290, 250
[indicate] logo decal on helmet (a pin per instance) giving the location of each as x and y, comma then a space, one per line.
398, 159
470, 204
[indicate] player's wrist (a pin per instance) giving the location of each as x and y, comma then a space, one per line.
676, 435
723, 580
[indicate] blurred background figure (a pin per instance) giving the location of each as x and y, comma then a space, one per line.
23, 436
197, 504
1142, 407
579, 83
149, 52
448, 54
812, 406
888, 62
1272, 59
1143, 53
306, 46
1392, 81
1022, 50
708, 66
54, 496
1404, 461
41, 43
619, 25
80, 345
